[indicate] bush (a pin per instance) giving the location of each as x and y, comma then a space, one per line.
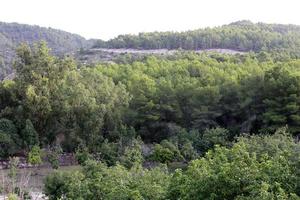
162, 154
109, 152
242, 172
57, 183
7, 146
9, 127
53, 156
188, 152
280, 142
214, 136
35, 156
172, 147
12, 196
30, 135
166, 152
98, 181
132, 155
9, 139
82, 154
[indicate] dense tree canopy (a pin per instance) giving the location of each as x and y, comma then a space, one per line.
241, 35
50, 97
53, 100
240, 93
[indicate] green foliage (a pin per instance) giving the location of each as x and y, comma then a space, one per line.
240, 35
185, 103
281, 87
57, 183
53, 156
35, 156
109, 152
236, 92
256, 167
12, 196
29, 135
8, 127
9, 139
97, 181
82, 154
166, 152
158, 97
163, 155
132, 155
248, 170
214, 136
188, 151
7, 145
49, 100
174, 151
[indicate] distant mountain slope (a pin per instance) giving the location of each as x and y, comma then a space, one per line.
12, 34
241, 36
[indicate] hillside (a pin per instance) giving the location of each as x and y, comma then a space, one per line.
12, 34
241, 36
219, 119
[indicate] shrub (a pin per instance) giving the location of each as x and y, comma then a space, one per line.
162, 154
214, 136
53, 156
82, 154
172, 147
58, 183
7, 146
188, 152
12, 196
166, 152
132, 155
9, 127
9, 139
242, 172
109, 152
35, 156
30, 135
98, 181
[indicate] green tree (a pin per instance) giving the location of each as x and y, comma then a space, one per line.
239, 173
214, 136
97, 181
35, 156
282, 100
29, 135
82, 154
132, 154
9, 139
53, 156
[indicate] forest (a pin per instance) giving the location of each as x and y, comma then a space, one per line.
219, 126
241, 35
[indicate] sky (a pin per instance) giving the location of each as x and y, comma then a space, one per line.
105, 19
